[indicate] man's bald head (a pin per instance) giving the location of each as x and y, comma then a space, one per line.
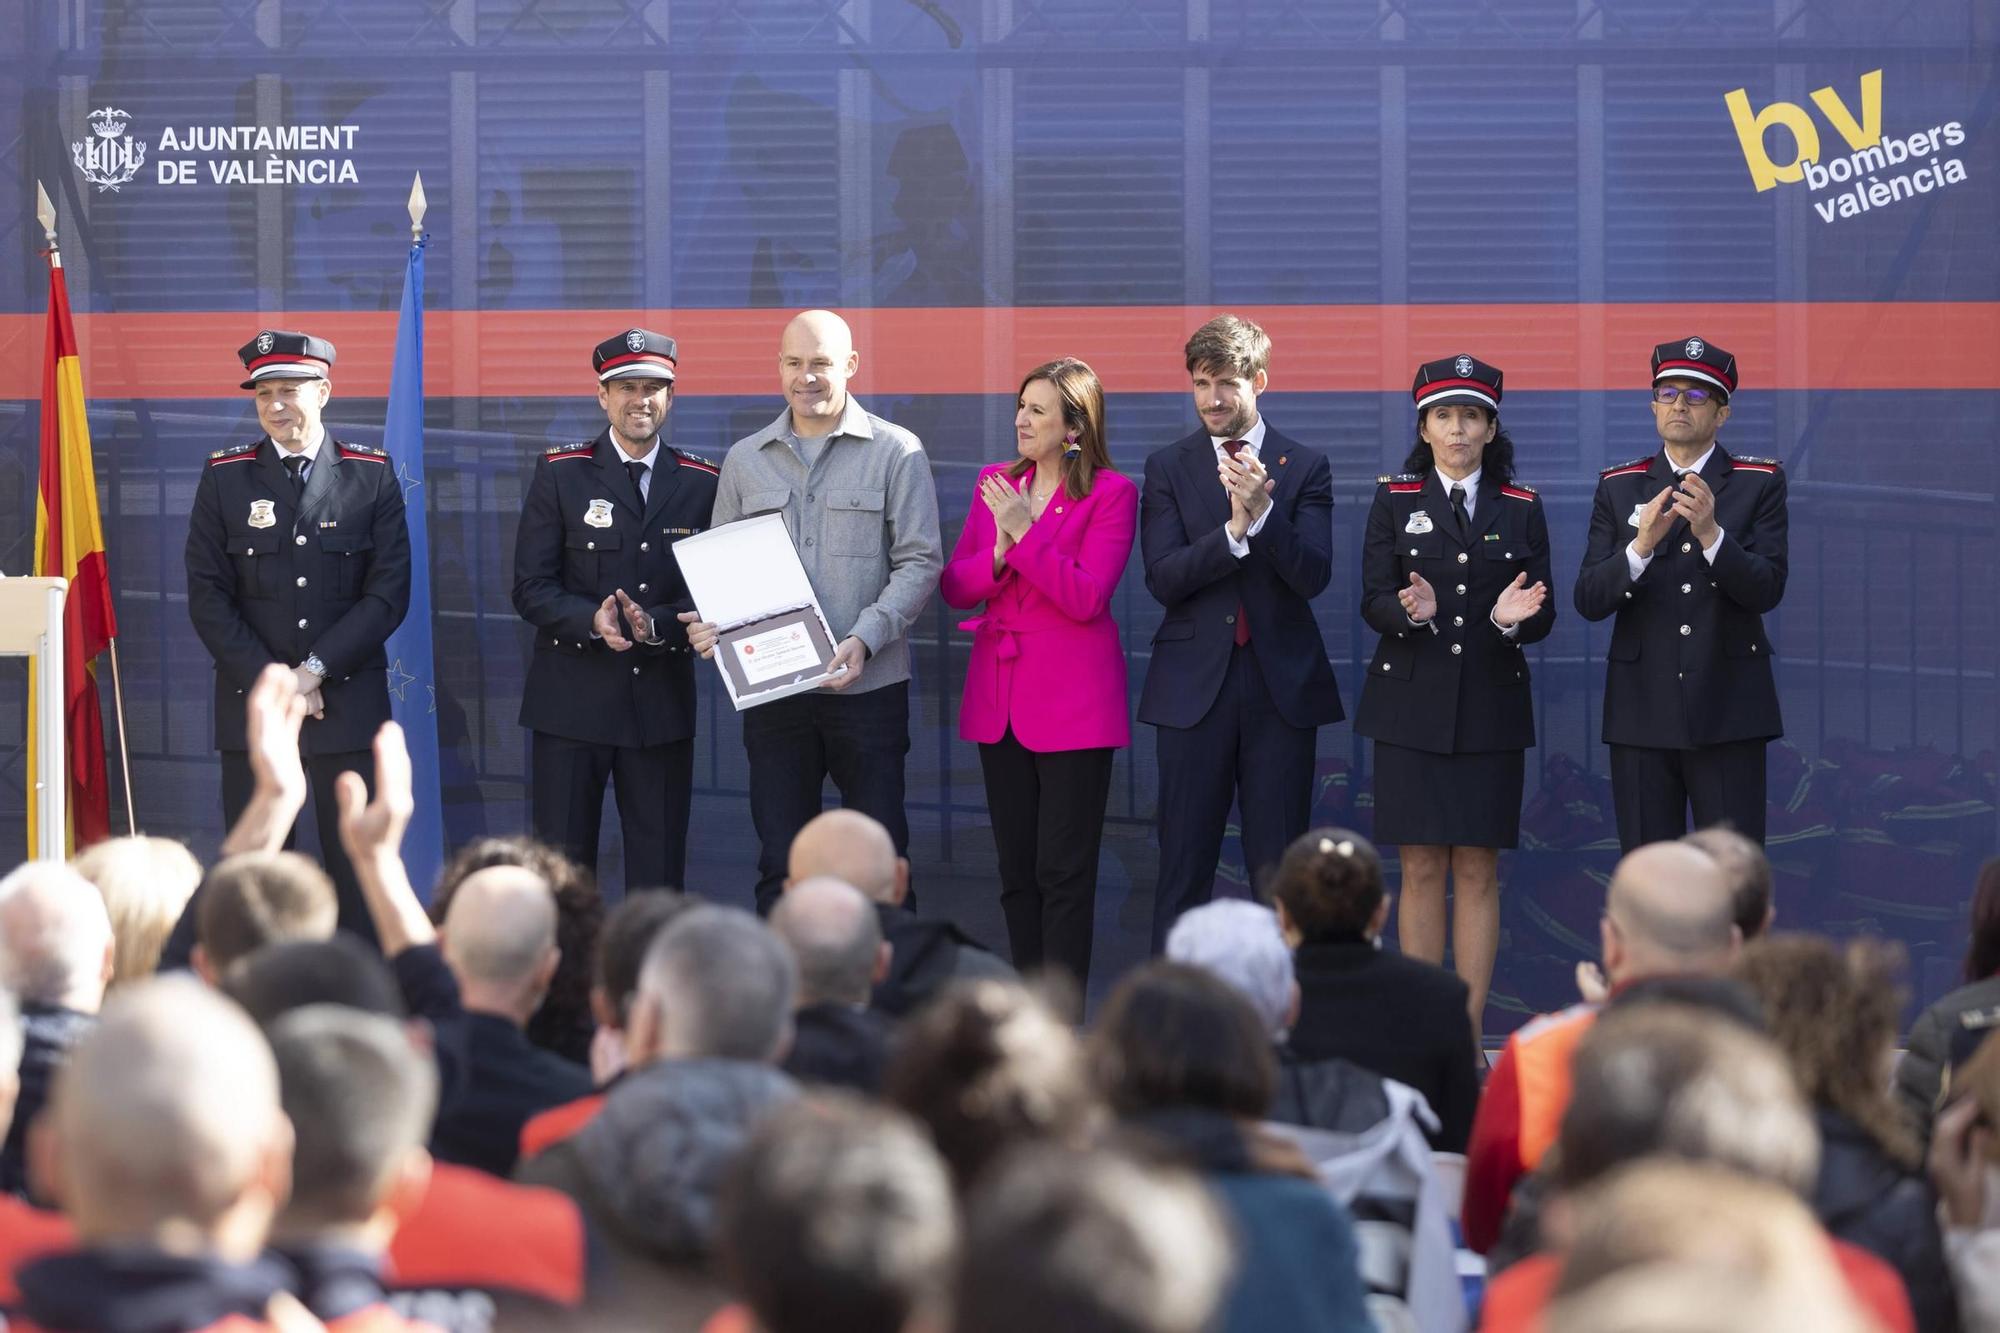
834, 935
1669, 910
166, 1117
819, 328
849, 846
500, 930
55, 937
816, 358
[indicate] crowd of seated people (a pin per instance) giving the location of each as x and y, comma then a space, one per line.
522, 1110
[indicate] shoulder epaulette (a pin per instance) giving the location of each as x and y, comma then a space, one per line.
1756, 464
235, 453
366, 452
1639, 464
1518, 491
579, 450
697, 462
1388, 477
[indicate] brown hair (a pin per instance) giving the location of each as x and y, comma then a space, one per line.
1835, 1014
1229, 345
257, 898
1083, 413
1175, 1036
1982, 951
1330, 883
1748, 871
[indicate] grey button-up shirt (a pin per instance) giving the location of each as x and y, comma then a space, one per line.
864, 519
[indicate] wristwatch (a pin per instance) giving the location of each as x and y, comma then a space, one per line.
314, 665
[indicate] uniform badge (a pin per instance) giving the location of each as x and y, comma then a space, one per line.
636, 341
1638, 510
599, 514
263, 514
265, 342
1420, 522
1694, 349
1463, 366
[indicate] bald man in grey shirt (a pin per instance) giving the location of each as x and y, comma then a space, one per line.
858, 500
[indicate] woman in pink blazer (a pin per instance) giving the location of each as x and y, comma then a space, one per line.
1043, 547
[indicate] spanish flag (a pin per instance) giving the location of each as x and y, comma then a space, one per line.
69, 543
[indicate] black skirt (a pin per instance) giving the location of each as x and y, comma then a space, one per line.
1447, 800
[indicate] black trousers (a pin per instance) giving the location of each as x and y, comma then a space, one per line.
1653, 790
1242, 748
796, 744
321, 770
1047, 809
654, 786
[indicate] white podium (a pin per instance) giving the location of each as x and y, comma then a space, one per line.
31, 626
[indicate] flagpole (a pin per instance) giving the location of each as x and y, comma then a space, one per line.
45, 212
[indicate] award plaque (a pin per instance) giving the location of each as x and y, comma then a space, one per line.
746, 580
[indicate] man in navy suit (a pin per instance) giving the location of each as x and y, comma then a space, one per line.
1236, 528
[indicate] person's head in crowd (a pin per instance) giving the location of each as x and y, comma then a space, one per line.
850, 846
988, 1065
1242, 944
838, 1217
716, 985
1835, 1013
55, 938
145, 883
1737, 1231
1982, 947
292, 974
499, 939
629, 931
1328, 888
1746, 1254
1176, 1037
1664, 1080
563, 1020
257, 898
12, 1040
1090, 1243
1748, 872
360, 1099
165, 1129
836, 937
1668, 911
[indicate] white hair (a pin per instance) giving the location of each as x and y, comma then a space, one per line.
54, 936
1240, 943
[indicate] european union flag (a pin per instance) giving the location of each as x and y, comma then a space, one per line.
412, 671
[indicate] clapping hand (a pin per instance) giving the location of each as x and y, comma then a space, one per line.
1249, 488
1517, 602
1011, 514
1695, 502
1655, 517
606, 627
1419, 599
644, 629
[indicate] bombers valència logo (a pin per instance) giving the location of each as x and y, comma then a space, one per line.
106, 157
1877, 173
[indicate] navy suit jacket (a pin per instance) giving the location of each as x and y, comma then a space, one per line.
1191, 572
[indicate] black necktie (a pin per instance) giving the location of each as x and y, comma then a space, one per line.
1458, 512
296, 465
637, 472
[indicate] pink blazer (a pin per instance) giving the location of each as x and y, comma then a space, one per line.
1045, 653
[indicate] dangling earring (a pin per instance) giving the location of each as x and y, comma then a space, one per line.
1070, 447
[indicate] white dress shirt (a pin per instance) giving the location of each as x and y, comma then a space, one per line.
1253, 444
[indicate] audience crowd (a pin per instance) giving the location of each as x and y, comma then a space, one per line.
523, 1110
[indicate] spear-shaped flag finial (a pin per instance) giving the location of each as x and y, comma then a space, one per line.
45, 213
418, 204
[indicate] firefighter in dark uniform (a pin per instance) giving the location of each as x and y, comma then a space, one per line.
297, 553
1455, 577
610, 694
1687, 550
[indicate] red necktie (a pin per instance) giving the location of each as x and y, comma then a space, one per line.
1233, 448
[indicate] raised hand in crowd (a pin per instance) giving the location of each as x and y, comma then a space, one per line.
372, 833
1517, 602
275, 712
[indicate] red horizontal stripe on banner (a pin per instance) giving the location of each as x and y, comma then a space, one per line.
1136, 349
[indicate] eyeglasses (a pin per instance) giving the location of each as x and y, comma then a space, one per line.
1666, 393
